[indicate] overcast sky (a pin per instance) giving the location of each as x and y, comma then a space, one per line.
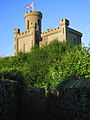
12, 16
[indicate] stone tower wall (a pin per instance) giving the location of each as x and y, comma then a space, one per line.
24, 41
52, 34
33, 18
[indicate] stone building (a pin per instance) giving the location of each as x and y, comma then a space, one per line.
24, 41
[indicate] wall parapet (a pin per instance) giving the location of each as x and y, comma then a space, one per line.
51, 31
25, 33
37, 13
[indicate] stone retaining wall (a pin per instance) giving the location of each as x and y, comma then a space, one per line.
8, 100
24, 103
71, 105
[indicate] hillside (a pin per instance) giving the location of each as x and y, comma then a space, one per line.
48, 66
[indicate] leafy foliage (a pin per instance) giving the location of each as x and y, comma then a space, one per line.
48, 66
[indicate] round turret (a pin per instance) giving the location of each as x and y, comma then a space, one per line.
33, 19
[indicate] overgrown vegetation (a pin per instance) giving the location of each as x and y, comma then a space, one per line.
48, 66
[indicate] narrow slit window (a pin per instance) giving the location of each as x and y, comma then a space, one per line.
35, 25
28, 24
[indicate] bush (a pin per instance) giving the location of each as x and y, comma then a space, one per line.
48, 66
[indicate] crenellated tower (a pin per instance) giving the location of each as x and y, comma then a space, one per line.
33, 18
64, 23
24, 41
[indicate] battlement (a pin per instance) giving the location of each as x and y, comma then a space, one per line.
64, 22
16, 31
25, 33
33, 13
51, 31
24, 41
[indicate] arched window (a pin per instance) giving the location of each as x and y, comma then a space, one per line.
28, 24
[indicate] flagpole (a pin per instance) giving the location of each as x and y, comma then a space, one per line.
33, 6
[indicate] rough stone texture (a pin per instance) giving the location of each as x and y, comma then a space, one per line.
71, 105
24, 103
33, 104
8, 100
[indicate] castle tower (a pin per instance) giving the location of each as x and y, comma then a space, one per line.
64, 23
24, 41
16, 32
33, 18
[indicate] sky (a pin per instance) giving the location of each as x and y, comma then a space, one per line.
12, 16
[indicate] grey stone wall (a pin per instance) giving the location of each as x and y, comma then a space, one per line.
33, 104
24, 103
8, 100
70, 105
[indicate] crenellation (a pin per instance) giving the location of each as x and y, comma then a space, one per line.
16, 30
25, 31
34, 35
23, 34
20, 34
51, 31
33, 12
37, 13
